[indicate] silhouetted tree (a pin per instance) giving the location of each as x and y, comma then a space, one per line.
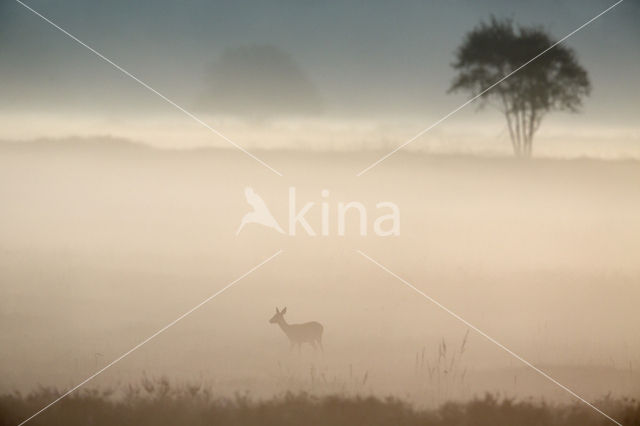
259, 82
554, 81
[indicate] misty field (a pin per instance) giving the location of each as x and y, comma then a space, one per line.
105, 241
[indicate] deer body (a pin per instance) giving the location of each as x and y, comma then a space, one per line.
308, 332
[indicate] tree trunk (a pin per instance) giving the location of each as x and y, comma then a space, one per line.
522, 126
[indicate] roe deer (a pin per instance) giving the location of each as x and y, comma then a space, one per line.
309, 332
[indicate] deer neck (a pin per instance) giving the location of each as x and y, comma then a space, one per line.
284, 326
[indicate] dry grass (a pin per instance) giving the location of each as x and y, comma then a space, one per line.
442, 376
157, 402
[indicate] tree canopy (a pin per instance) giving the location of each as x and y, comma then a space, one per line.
259, 81
553, 81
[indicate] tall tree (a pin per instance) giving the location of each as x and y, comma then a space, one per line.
554, 81
259, 81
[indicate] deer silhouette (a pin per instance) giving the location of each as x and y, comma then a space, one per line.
308, 332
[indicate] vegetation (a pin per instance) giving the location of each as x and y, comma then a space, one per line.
158, 403
553, 81
444, 373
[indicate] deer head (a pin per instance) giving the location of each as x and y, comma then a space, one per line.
279, 316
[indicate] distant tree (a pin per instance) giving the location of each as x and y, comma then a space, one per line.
554, 81
258, 82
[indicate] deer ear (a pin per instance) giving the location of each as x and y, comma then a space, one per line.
277, 311
284, 311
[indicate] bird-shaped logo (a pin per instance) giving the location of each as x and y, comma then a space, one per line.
260, 214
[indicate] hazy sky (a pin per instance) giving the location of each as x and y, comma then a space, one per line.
379, 61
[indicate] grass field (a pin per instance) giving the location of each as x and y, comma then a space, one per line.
104, 243
159, 403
